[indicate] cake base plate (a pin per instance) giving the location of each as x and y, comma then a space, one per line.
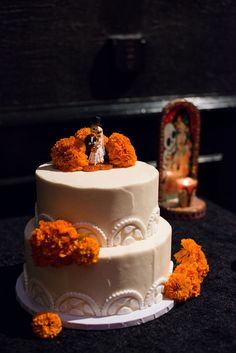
96, 323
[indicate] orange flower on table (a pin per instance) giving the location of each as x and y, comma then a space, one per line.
69, 155
87, 251
46, 324
120, 151
191, 252
178, 287
185, 281
189, 270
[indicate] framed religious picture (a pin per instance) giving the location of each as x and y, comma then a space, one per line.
178, 159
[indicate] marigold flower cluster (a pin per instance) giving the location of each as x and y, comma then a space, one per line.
58, 243
69, 154
192, 268
121, 153
46, 324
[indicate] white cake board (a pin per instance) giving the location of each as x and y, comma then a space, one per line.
96, 323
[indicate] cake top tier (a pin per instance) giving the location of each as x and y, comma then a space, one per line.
117, 206
140, 173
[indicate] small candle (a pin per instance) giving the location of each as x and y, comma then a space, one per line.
170, 180
186, 190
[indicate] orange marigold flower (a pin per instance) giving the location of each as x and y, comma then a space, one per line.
58, 243
46, 324
191, 252
69, 155
185, 281
53, 243
87, 251
178, 287
81, 134
120, 151
189, 270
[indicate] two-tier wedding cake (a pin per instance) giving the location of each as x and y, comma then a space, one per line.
97, 251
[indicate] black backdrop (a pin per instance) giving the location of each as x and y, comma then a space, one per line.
58, 52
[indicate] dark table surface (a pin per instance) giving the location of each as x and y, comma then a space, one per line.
204, 324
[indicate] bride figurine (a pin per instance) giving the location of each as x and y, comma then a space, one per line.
97, 153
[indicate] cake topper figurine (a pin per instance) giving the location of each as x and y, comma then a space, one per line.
97, 151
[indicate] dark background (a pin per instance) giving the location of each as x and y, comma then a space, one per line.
63, 62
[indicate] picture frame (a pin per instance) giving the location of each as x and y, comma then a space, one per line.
178, 154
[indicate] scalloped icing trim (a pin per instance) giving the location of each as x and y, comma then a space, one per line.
81, 304
123, 302
39, 293
124, 232
155, 293
91, 230
127, 231
75, 303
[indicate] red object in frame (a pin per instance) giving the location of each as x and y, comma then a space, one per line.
179, 143
178, 161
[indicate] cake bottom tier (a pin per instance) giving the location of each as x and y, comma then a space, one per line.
125, 279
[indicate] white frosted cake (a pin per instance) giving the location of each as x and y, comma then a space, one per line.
119, 209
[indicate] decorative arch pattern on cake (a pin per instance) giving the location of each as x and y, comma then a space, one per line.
81, 304
40, 294
123, 302
127, 231
155, 293
90, 230
45, 217
124, 232
41, 216
75, 303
